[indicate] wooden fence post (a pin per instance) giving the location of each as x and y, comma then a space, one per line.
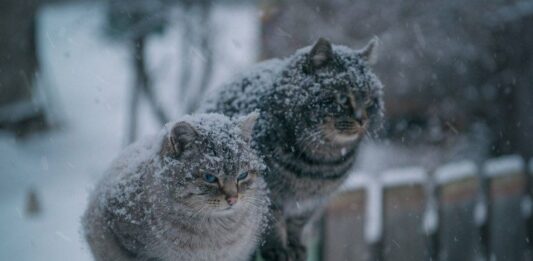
527, 210
457, 191
404, 202
344, 222
507, 229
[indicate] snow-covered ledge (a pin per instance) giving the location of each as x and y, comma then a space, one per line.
455, 171
404, 176
512, 164
356, 180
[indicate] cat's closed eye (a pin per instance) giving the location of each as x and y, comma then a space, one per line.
243, 175
369, 102
371, 105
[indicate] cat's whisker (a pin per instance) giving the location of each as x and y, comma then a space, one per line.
309, 141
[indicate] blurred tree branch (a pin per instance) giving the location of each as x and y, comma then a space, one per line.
197, 32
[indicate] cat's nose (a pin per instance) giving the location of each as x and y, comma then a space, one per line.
231, 200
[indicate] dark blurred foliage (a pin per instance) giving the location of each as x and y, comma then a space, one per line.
129, 19
134, 20
18, 65
449, 67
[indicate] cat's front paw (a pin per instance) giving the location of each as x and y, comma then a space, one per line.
297, 253
276, 254
285, 254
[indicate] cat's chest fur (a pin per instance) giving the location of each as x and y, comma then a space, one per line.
306, 195
214, 241
299, 188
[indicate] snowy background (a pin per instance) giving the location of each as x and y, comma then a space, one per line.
457, 78
89, 76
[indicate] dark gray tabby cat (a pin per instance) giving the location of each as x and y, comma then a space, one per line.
315, 106
194, 192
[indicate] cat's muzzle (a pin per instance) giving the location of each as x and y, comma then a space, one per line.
348, 127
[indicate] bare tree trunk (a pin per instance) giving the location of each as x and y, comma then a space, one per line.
207, 51
142, 83
133, 113
196, 30
185, 54
20, 110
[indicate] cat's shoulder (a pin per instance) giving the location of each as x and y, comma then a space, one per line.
138, 153
258, 76
126, 171
242, 93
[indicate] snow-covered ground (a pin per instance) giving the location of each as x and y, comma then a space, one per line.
90, 76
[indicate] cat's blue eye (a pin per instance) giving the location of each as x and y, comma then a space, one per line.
242, 176
210, 178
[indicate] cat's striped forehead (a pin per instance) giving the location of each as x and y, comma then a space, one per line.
221, 143
347, 70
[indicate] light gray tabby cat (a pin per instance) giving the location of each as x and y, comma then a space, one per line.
315, 107
194, 192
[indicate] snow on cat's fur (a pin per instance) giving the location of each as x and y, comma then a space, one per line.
192, 192
315, 107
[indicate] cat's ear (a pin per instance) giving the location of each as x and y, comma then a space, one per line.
369, 53
181, 137
247, 126
321, 53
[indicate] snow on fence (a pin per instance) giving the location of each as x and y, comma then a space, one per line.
459, 211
